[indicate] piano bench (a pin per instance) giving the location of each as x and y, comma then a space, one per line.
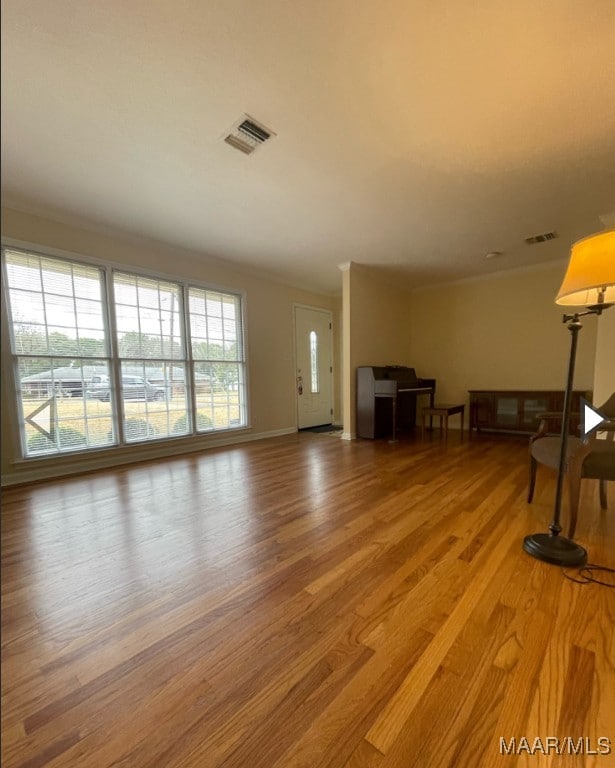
443, 410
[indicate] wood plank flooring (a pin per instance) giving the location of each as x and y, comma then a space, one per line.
304, 602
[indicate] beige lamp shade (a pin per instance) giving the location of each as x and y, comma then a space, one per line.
591, 272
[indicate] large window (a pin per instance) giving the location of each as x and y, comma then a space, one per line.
218, 359
101, 357
151, 350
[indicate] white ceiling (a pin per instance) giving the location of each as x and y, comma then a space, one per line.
412, 134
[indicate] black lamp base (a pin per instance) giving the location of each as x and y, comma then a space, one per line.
555, 549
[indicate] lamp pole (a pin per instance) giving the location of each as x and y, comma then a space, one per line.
574, 326
551, 547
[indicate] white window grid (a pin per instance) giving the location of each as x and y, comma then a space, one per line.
65, 303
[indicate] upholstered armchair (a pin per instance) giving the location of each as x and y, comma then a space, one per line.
592, 457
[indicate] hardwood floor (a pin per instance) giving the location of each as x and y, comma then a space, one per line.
303, 601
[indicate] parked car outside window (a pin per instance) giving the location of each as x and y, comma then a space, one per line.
133, 388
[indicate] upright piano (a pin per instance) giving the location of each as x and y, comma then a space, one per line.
386, 399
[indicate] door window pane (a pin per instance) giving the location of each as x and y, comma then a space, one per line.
314, 385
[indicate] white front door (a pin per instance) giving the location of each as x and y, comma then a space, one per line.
314, 372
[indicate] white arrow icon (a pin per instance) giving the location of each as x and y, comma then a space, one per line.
43, 418
591, 418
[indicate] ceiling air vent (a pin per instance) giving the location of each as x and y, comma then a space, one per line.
541, 238
248, 135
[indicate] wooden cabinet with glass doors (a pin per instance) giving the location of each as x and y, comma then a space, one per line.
519, 410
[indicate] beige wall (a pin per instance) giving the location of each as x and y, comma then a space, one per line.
604, 371
501, 332
504, 332
380, 319
376, 331
269, 334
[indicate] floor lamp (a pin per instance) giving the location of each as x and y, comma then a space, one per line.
590, 283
